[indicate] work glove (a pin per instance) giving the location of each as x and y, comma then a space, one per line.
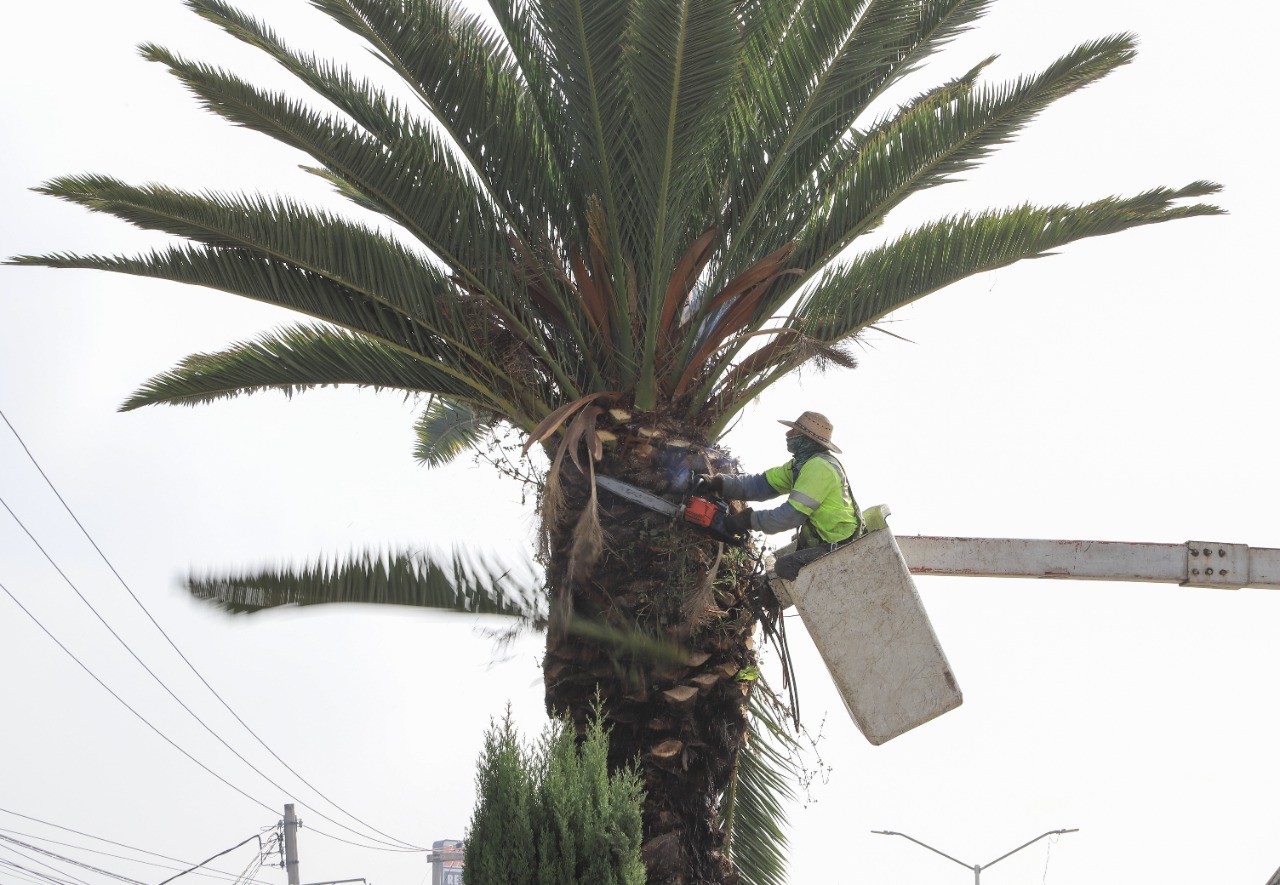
738, 523
705, 482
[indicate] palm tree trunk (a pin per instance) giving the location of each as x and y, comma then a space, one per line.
683, 715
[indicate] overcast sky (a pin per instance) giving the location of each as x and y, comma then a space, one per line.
1123, 390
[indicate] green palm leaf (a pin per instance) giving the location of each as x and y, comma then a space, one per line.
455, 582
830, 62
466, 76
931, 143
456, 66
274, 282
937, 254
585, 43
296, 359
681, 70
352, 256
447, 429
851, 298
752, 809
415, 179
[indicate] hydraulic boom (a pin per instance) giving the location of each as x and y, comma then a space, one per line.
1193, 564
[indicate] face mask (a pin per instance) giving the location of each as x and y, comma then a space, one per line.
795, 444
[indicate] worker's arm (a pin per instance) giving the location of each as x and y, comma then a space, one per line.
755, 487
778, 519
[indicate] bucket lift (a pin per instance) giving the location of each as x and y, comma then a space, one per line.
865, 616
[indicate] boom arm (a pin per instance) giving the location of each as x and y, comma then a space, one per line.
1193, 564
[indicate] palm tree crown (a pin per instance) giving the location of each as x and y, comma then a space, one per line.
649, 198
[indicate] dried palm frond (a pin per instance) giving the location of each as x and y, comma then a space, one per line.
587, 541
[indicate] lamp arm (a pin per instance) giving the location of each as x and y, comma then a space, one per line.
1032, 842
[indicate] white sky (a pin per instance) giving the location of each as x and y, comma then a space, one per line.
1121, 391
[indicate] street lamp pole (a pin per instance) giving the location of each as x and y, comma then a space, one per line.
977, 868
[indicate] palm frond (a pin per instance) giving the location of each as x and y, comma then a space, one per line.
682, 68
937, 254
752, 809
464, 76
456, 582
352, 256
681, 65
931, 142
889, 41
521, 27
296, 359
443, 368
414, 179
832, 59
853, 297
585, 43
446, 429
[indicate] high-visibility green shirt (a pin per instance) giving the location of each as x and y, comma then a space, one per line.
821, 492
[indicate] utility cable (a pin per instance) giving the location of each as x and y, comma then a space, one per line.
218, 855
16, 876
213, 874
20, 876
168, 690
164, 736
125, 703
191, 666
171, 693
251, 869
65, 859
97, 839
40, 877
22, 854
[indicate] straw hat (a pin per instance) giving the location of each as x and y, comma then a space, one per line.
816, 427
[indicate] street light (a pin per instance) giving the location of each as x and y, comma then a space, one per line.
977, 868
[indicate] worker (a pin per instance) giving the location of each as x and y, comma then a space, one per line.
819, 501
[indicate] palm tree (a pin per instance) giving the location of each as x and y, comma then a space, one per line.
608, 226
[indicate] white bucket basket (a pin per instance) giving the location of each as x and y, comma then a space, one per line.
866, 618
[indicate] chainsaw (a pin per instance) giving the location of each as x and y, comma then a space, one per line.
705, 515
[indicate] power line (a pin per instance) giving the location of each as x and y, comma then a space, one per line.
213, 874
40, 877
252, 869
95, 838
166, 738
186, 660
69, 860
218, 855
18, 876
72, 881
170, 691
125, 703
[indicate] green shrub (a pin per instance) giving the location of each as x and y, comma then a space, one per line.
552, 814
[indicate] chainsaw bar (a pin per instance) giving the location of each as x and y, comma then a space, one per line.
639, 496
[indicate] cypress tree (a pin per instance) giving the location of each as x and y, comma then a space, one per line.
554, 815
500, 840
